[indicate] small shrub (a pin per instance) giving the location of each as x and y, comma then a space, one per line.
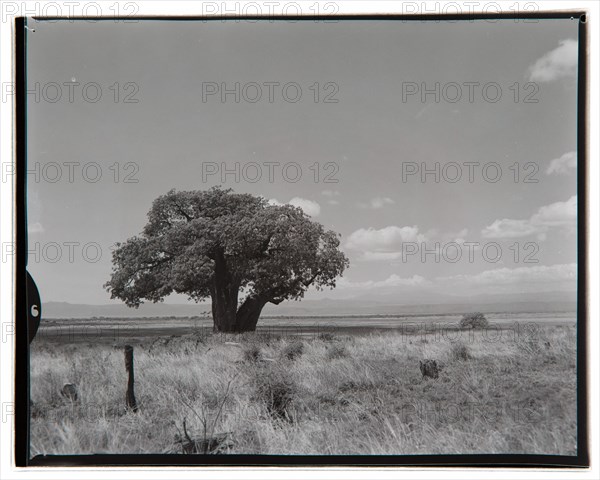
248, 441
252, 352
348, 386
460, 351
69, 391
265, 337
529, 345
336, 351
293, 350
327, 337
474, 320
277, 391
429, 368
327, 399
356, 386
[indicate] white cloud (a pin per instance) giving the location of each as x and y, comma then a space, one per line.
509, 228
381, 256
520, 275
563, 164
377, 203
330, 193
333, 202
389, 243
36, 227
459, 237
387, 239
309, 207
390, 282
380, 202
446, 237
558, 214
558, 63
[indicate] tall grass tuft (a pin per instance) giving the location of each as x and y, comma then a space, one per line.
337, 351
460, 352
252, 352
276, 390
293, 350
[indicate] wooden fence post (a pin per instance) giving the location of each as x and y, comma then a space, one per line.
130, 397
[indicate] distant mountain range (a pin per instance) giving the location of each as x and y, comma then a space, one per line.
506, 303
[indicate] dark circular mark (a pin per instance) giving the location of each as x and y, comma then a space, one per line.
34, 308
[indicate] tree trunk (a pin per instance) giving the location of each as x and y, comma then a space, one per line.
249, 313
227, 318
223, 312
224, 295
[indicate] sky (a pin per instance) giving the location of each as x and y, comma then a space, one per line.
443, 153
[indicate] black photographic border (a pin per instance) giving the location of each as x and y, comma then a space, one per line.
21, 381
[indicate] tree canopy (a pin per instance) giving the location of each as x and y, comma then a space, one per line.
237, 249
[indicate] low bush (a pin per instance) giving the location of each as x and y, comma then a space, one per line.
252, 352
459, 351
327, 337
276, 391
474, 320
336, 351
293, 350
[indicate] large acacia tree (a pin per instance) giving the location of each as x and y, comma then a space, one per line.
237, 249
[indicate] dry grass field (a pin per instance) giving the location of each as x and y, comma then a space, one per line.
324, 394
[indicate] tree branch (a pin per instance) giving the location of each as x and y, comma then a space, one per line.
148, 267
307, 283
180, 210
